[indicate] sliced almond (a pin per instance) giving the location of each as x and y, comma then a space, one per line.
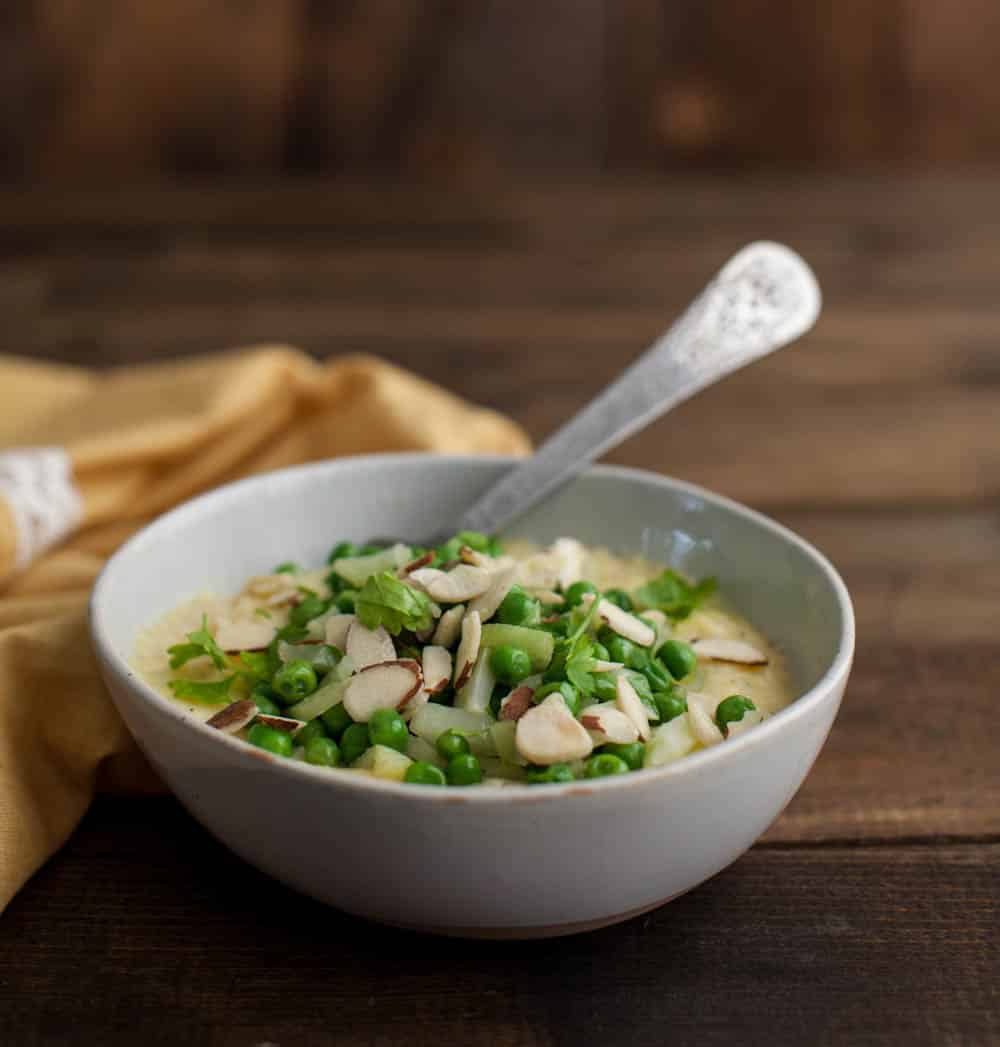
569, 556
549, 733
414, 565
282, 723
517, 703
546, 596
336, 629
622, 623
436, 664
234, 717
501, 582
449, 626
468, 648
368, 646
387, 685
601, 666
250, 635
630, 704
409, 707
470, 556
719, 649
699, 714
608, 724
455, 586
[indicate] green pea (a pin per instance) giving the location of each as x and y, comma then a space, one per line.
451, 743
341, 550
510, 664
287, 568
313, 729
631, 753
670, 705
263, 696
322, 752
264, 737
630, 654
421, 773
464, 769
559, 628
345, 601
605, 688
571, 696
679, 658
620, 598
337, 719
731, 710
294, 680
604, 765
602, 653
518, 608
354, 742
658, 677
474, 540
577, 591
553, 774
387, 727
311, 607
449, 551
494, 548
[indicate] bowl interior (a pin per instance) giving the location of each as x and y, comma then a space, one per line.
216, 542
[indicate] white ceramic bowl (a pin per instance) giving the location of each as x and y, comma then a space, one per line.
519, 861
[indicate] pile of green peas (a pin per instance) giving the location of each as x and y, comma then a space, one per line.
334, 740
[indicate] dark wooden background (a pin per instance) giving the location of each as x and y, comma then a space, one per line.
869, 914
478, 90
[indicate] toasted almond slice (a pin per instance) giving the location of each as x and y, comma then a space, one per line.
409, 707
628, 701
549, 733
468, 648
282, 723
601, 666
234, 717
455, 586
449, 626
501, 582
719, 649
623, 623
436, 664
252, 635
368, 646
517, 703
386, 685
608, 724
414, 565
569, 555
336, 630
699, 714
546, 596
477, 559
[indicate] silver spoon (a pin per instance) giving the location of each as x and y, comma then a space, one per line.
764, 297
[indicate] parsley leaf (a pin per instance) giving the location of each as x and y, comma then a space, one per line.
205, 693
385, 600
673, 594
258, 664
200, 643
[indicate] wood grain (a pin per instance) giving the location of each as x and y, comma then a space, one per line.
213, 953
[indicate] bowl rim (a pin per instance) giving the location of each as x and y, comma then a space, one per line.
515, 792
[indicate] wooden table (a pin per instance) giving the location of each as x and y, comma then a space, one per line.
868, 913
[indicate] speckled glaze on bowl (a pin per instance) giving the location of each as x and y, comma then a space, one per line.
513, 862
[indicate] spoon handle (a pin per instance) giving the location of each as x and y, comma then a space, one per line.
764, 297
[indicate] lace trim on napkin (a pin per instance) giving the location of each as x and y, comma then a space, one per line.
37, 484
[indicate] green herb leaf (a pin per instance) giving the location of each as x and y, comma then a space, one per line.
673, 594
204, 693
385, 600
258, 664
200, 643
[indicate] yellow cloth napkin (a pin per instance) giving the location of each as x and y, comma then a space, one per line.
138, 441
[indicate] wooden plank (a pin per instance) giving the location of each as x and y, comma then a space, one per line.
188, 937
